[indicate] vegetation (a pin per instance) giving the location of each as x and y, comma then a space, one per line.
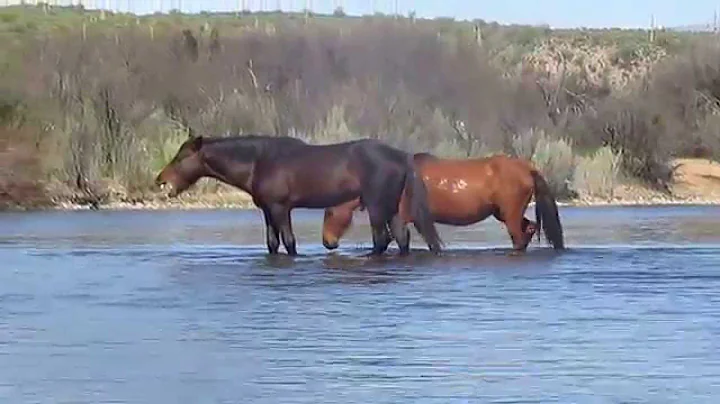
93, 104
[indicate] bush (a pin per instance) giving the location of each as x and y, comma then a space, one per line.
596, 176
19, 172
110, 104
114, 98
556, 161
334, 128
635, 128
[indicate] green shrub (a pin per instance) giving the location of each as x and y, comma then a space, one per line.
112, 102
334, 128
597, 175
556, 161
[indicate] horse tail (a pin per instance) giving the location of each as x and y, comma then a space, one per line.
546, 212
420, 208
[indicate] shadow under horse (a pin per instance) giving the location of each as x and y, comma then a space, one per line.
281, 173
462, 192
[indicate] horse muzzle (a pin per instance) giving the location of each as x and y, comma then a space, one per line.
330, 245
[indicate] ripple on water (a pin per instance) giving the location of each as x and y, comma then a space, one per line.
166, 312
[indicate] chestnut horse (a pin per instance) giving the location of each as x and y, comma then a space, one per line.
283, 173
464, 192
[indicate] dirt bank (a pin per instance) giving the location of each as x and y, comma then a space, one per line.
696, 182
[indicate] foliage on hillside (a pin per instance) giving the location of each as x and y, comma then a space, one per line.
97, 102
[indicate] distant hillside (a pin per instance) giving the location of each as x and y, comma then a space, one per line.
701, 27
693, 28
93, 104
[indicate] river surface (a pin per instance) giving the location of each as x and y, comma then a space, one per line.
186, 307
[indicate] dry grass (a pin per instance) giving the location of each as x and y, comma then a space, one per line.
597, 175
110, 106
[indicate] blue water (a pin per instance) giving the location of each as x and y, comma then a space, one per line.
186, 307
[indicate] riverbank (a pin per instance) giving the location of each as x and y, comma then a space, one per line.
696, 182
205, 205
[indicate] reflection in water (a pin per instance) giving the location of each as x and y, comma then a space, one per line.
169, 307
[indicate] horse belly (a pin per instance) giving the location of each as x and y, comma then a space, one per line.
462, 218
325, 194
325, 200
460, 209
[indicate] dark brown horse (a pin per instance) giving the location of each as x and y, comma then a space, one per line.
283, 173
464, 192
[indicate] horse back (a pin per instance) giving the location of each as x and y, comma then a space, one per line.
316, 176
480, 169
476, 181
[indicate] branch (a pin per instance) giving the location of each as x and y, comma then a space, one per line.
252, 74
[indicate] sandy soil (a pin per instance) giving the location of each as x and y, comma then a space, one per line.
697, 178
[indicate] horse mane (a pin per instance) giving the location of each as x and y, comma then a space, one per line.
261, 142
250, 147
246, 137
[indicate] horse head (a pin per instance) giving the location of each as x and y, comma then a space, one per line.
184, 170
336, 221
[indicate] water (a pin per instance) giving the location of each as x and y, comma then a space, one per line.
185, 307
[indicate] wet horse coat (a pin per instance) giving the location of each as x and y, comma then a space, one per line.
467, 191
283, 173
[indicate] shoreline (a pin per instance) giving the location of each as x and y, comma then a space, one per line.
241, 204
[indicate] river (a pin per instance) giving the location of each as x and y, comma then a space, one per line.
186, 307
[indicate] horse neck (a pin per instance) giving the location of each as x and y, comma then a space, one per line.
228, 170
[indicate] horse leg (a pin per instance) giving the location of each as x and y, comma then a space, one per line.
514, 224
281, 217
401, 234
381, 194
271, 232
380, 235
